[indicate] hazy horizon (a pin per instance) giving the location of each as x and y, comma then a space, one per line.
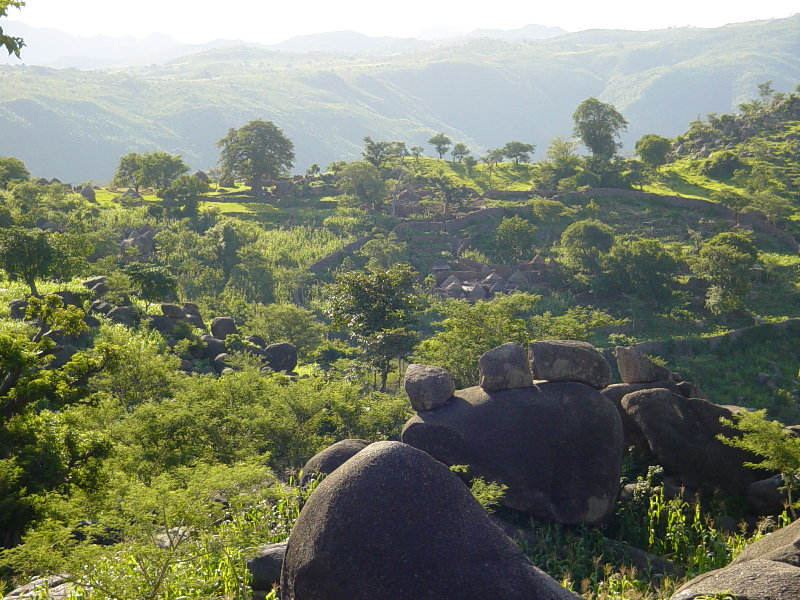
201, 21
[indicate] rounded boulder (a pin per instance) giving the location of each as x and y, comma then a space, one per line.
393, 522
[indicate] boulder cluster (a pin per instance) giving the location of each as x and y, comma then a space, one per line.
472, 280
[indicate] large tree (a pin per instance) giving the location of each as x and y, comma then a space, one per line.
153, 169
653, 149
27, 254
10, 43
379, 311
518, 151
598, 125
441, 143
258, 150
12, 169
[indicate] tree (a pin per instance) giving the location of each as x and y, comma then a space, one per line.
641, 267
10, 43
518, 151
725, 261
383, 153
378, 310
470, 162
256, 151
12, 169
287, 323
598, 124
313, 170
153, 169
514, 239
583, 242
492, 157
27, 254
441, 143
416, 152
653, 149
446, 191
459, 151
183, 195
363, 180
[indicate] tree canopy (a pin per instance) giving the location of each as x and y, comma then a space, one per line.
258, 150
598, 125
27, 254
441, 143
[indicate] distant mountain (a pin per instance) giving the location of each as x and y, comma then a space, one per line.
350, 42
74, 125
529, 32
54, 48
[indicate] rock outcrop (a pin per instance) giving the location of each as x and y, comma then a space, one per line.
428, 387
557, 446
332, 457
569, 360
394, 523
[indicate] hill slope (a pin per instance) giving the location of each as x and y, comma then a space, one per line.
73, 124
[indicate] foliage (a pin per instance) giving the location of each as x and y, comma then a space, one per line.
598, 124
154, 169
469, 330
653, 149
383, 154
11, 43
518, 151
460, 151
363, 180
287, 323
182, 196
577, 323
583, 242
27, 255
256, 151
12, 169
441, 143
725, 261
779, 448
514, 240
642, 268
721, 164
378, 310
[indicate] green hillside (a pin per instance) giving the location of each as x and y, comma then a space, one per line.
73, 125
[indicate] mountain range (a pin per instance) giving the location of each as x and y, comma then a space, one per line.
328, 91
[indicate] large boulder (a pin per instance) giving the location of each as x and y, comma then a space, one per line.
428, 387
569, 360
17, 308
172, 310
333, 457
280, 357
557, 446
505, 367
635, 367
683, 433
221, 327
54, 587
265, 567
768, 569
393, 522
214, 347
124, 315
617, 391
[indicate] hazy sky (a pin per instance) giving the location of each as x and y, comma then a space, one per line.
272, 21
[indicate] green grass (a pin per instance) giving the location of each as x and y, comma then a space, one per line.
681, 179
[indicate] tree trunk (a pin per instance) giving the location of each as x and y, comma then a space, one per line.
256, 188
32, 284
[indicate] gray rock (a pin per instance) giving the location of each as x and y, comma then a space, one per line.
62, 357
752, 580
221, 327
557, 446
69, 298
214, 347
88, 193
393, 522
173, 310
280, 357
569, 360
17, 307
220, 362
428, 387
617, 391
687, 389
124, 315
57, 586
332, 457
782, 545
635, 367
504, 368
265, 566
100, 306
765, 496
196, 321
163, 324
190, 308
93, 281
682, 434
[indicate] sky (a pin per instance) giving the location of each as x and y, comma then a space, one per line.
195, 21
